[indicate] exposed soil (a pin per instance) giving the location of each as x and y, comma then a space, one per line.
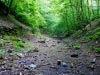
47, 56
48, 51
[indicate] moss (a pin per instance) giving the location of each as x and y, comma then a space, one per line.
2, 52
76, 46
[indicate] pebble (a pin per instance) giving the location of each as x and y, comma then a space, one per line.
92, 66
20, 55
41, 41
74, 55
53, 67
28, 64
94, 60
71, 65
36, 50
10, 51
32, 66
64, 64
58, 62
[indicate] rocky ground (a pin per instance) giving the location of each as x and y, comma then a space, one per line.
48, 51
44, 60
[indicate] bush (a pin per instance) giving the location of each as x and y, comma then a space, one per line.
2, 52
89, 33
76, 46
77, 34
19, 45
87, 39
97, 49
96, 36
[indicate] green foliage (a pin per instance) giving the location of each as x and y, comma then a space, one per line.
76, 46
28, 13
92, 35
3, 42
96, 36
19, 45
22, 46
97, 29
56, 16
89, 33
73, 14
87, 39
97, 49
2, 52
77, 34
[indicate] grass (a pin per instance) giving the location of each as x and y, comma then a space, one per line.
96, 36
2, 52
94, 48
77, 34
76, 46
3, 43
97, 50
21, 46
92, 35
87, 39
89, 33
18, 44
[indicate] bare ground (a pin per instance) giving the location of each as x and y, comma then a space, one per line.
46, 58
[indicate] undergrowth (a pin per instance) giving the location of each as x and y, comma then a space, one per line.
92, 35
94, 48
76, 46
2, 52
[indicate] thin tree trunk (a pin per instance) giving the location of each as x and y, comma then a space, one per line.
73, 17
92, 7
98, 8
66, 20
89, 14
11, 1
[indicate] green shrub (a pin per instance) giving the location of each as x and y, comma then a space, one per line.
97, 29
2, 52
76, 46
3, 43
97, 49
89, 33
19, 45
96, 36
87, 39
77, 34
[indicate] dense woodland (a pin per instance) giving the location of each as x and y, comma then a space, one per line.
55, 16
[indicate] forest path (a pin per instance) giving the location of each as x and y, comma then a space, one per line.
49, 51
44, 60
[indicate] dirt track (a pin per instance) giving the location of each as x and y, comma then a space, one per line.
49, 51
